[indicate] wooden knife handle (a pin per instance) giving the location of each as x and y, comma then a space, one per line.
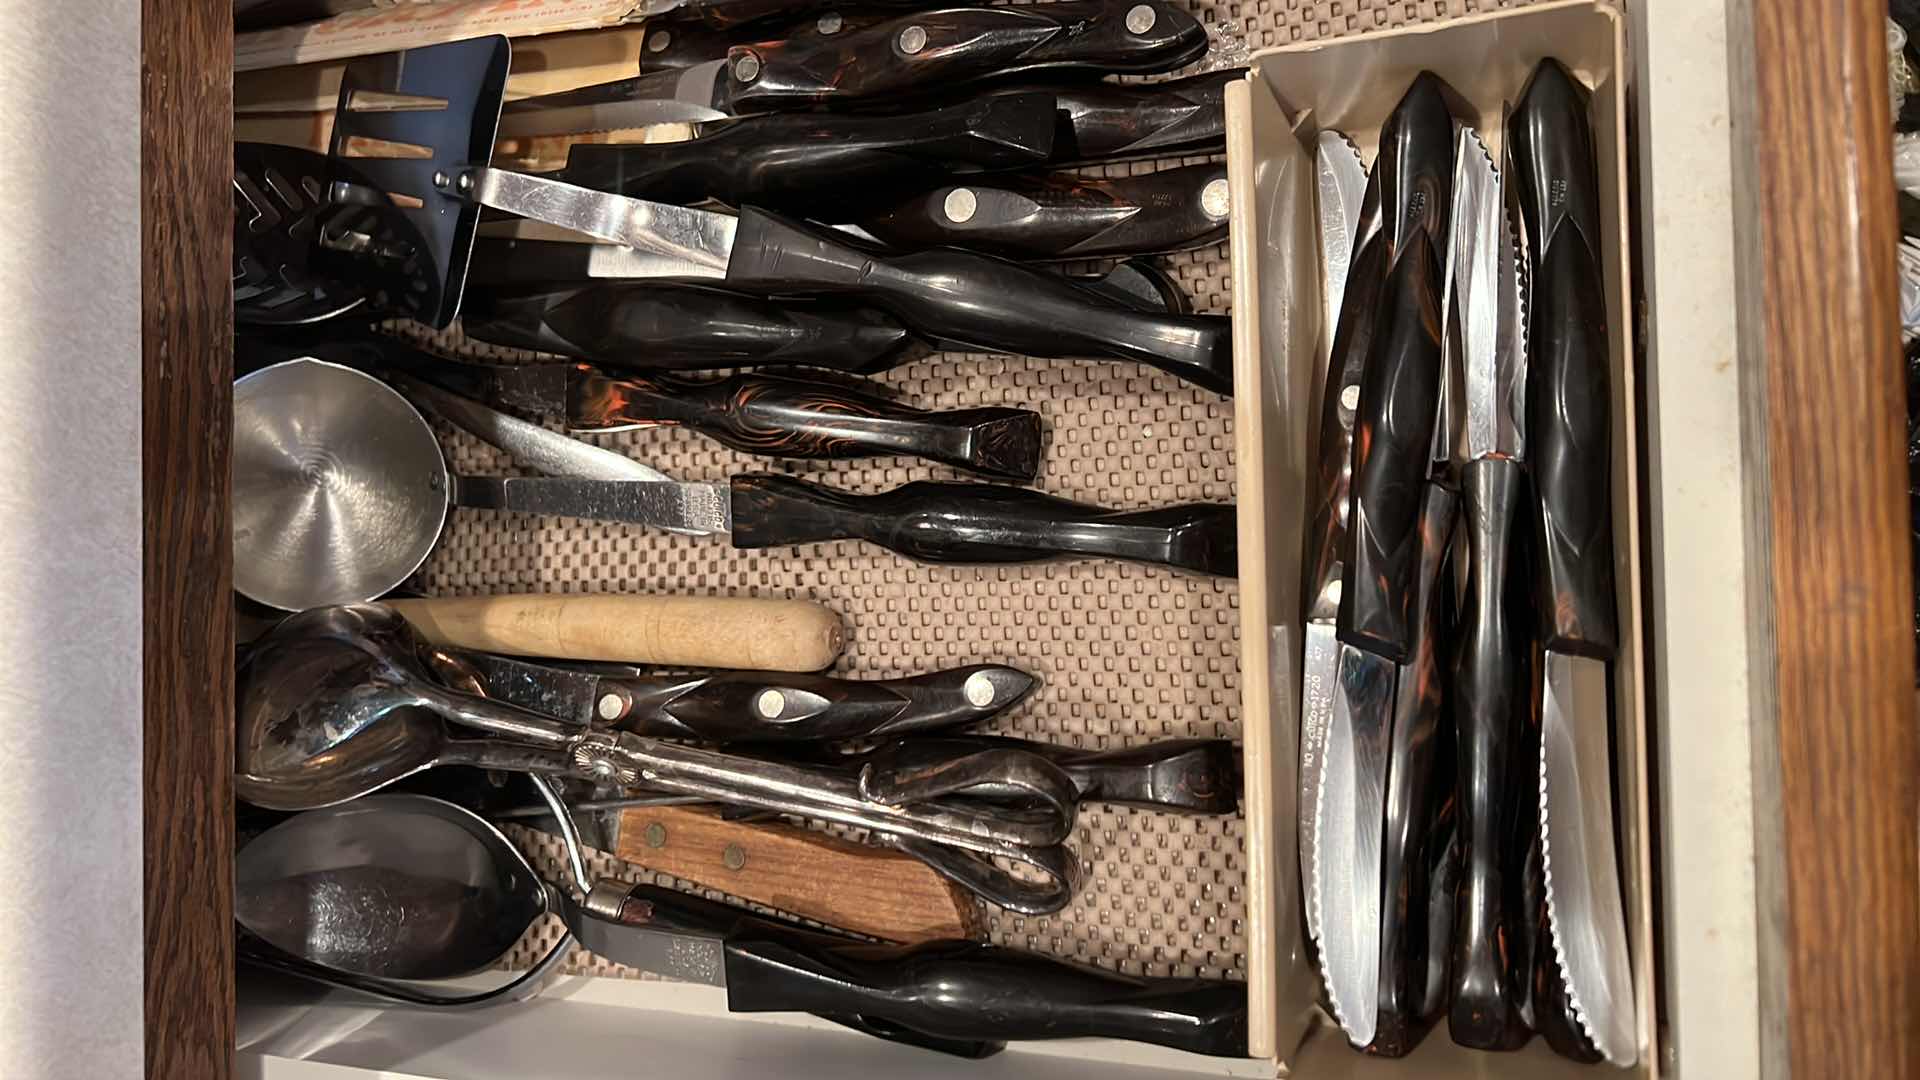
675, 631
874, 891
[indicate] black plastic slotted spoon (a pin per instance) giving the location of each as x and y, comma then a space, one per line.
434, 110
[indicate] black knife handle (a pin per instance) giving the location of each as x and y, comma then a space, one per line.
1568, 429
665, 327
1326, 541
981, 523
809, 162
795, 418
1415, 165
1105, 121
1420, 797
672, 43
1392, 448
933, 52
1199, 776
732, 706
988, 303
1064, 216
1492, 682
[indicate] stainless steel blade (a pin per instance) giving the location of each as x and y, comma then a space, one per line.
682, 955
1352, 819
1516, 275
1475, 243
698, 507
665, 97
698, 241
1343, 185
588, 258
1584, 908
550, 691
530, 444
1320, 674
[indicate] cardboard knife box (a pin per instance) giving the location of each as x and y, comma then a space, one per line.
1351, 85
595, 1025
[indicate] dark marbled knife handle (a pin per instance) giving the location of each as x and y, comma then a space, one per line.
935, 52
1392, 448
1063, 215
982, 523
815, 164
1107, 121
813, 418
734, 706
988, 303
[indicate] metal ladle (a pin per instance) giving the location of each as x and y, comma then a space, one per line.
337, 702
396, 887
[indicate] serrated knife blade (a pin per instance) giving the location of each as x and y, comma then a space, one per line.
1342, 187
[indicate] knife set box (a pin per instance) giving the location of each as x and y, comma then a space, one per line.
1290, 95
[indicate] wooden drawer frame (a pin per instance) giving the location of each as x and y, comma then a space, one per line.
1835, 745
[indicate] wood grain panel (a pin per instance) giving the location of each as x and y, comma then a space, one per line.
857, 887
1836, 745
187, 325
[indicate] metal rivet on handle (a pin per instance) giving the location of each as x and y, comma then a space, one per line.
1350, 397
747, 68
611, 706
830, 23
913, 39
440, 180
771, 703
1141, 17
979, 690
465, 182
734, 856
656, 835
659, 42
1213, 198
960, 205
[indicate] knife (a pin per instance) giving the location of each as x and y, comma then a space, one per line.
751, 706
1342, 191
932, 52
926, 520
519, 297
1062, 215
760, 414
1567, 423
1200, 776
1339, 920
673, 43
1400, 385
953, 295
822, 164
1419, 800
1493, 659
952, 990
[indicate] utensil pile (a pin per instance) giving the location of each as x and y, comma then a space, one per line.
1456, 831
819, 209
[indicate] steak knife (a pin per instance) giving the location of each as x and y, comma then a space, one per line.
925, 520
751, 706
1493, 659
1062, 215
1340, 922
916, 55
1568, 400
959, 296
959, 991
759, 414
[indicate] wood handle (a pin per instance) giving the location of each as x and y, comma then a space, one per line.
676, 631
868, 890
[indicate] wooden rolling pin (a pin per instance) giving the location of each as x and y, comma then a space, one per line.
868, 890
673, 631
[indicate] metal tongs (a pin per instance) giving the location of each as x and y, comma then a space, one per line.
337, 702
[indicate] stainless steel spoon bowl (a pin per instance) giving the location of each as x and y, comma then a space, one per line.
336, 702
339, 487
389, 886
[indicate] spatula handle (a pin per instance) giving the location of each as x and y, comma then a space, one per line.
978, 300
981, 523
792, 418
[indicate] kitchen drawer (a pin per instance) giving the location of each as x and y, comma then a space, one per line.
1776, 667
